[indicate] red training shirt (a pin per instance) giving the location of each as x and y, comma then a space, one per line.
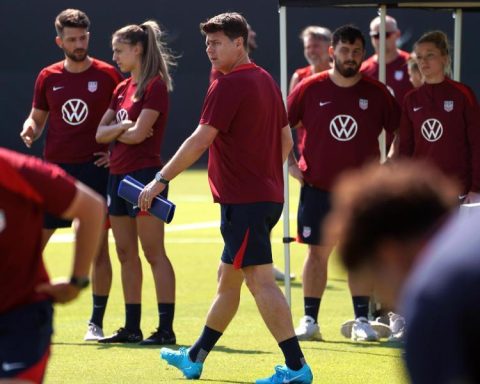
441, 123
341, 124
245, 159
131, 157
76, 103
28, 188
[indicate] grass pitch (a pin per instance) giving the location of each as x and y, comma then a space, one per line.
246, 351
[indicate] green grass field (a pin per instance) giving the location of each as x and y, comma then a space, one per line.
246, 351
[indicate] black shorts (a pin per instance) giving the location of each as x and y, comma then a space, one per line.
118, 206
313, 207
25, 335
89, 174
246, 232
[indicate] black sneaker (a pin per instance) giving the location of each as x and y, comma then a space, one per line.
160, 337
123, 335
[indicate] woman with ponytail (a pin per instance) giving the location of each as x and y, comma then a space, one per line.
135, 124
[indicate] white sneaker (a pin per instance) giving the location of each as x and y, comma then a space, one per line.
362, 331
94, 332
280, 276
382, 330
308, 330
397, 326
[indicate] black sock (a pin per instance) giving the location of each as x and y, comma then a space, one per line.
204, 344
293, 354
311, 307
133, 313
99, 306
165, 316
360, 306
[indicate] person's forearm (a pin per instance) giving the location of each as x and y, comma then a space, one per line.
131, 136
108, 133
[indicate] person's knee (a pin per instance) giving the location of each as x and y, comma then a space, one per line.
126, 253
154, 254
258, 279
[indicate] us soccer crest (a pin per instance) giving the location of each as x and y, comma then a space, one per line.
307, 231
92, 86
398, 75
3, 221
363, 103
448, 105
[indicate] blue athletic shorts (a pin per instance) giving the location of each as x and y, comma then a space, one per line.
246, 232
120, 207
25, 335
313, 207
89, 174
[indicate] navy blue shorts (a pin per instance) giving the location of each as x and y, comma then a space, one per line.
120, 207
313, 207
25, 335
246, 232
89, 174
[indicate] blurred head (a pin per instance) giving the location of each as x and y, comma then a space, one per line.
316, 41
140, 47
72, 34
226, 39
415, 76
383, 215
251, 39
347, 50
392, 33
433, 55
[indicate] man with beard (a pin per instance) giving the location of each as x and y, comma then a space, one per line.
342, 112
73, 94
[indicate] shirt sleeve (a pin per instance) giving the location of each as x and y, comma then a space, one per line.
221, 105
406, 135
472, 121
39, 93
156, 96
295, 104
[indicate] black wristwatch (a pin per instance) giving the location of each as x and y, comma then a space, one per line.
79, 282
160, 179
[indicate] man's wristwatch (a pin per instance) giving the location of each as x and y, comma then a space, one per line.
160, 179
79, 282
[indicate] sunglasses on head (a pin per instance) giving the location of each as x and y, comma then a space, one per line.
377, 35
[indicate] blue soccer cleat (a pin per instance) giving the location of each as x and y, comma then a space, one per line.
180, 359
285, 375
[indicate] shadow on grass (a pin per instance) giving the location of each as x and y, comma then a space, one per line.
354, 347
221, 348
117, 345
226, 381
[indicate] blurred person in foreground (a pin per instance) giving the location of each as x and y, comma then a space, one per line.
400, 223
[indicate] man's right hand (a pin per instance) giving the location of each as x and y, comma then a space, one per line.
295, 172
28, 135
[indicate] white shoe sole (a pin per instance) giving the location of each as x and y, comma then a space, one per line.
383, 330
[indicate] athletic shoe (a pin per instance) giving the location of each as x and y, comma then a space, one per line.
308, 330
283, 374
397, 326
280, 276
94, 332
160, 337
180, 359
363, 331
123, 335
382, 330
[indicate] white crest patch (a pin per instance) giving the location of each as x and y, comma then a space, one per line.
363, 104
92, 86
398, 75
448, 105
307, 231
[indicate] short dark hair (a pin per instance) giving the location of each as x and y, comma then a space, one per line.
72, 18
401, 202
347, 34
233, 24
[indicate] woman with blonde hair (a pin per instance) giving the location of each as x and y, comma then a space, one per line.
135, 124
441, 119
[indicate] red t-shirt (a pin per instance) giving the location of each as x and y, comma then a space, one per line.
341, 124
396, 76
245, 159
28, 188
302, 73
441, 122
76, 103
131, 157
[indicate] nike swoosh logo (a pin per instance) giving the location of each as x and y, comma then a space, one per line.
56, 88
286, 381
415, 109
11, 366
322, 103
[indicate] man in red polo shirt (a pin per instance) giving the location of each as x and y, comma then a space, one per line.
342, 112
29, 188
245, 127
72, 95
